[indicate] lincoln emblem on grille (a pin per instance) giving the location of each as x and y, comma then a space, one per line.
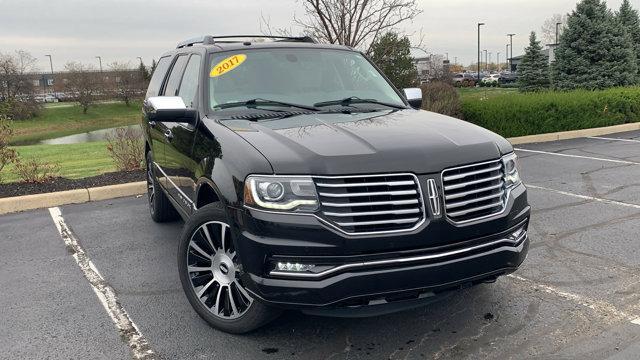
434, 199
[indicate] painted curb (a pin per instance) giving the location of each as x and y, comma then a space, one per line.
38, 201
574, 134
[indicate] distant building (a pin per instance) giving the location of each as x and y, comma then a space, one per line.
49, 83
549, 53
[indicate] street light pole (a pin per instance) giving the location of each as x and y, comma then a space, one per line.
479, 24
140, 58
455, 60
498, 60
100, 60
511, 47
557, 32
506, 55
52, 80
486, 60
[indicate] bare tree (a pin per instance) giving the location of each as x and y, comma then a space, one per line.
16, 85
355, 23
82, 83
548, 29
128, 81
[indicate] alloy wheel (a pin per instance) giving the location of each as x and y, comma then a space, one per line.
213, 271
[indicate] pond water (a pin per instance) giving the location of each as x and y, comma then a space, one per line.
91, 136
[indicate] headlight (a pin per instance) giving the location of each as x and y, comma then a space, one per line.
511, 175
281, 193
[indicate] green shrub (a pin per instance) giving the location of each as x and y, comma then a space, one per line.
519, 114
441, 98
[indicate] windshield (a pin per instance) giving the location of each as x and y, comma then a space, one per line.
296, 76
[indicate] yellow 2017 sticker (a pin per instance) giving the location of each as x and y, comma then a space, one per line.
227, 65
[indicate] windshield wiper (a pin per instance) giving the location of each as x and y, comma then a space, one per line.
262, 102
356, 100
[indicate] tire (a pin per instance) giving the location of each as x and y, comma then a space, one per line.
160, 207
209, 271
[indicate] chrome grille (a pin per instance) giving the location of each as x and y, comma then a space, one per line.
474, 191
371, 204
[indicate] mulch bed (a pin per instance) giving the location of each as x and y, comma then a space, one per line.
62, 184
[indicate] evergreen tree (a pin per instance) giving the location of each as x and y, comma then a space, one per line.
629, 18
595, 51
533, 71
144, 72
392, 54
154, 64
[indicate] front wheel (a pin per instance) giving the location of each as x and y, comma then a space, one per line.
210, 270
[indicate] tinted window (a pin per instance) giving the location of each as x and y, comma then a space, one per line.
176, 75
189, 84
158, 76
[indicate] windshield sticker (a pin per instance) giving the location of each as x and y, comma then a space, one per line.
227, 65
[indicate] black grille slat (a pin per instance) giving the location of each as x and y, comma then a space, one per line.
371, 203
475, 191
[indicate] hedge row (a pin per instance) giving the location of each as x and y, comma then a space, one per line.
519, 114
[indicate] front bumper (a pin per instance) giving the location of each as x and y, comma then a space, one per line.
439, 257
382, 281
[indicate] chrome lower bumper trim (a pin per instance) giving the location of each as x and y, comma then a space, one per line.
509, 245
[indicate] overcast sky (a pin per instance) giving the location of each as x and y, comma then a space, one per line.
119, 30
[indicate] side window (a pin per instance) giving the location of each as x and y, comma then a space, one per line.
176, 75
158, 76
189, 85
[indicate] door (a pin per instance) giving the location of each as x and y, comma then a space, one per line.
168, 172
179, 147
156, 136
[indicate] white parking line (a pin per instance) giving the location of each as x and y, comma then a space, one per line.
138, 344
603, 308
578, 156
584, 197
613, 139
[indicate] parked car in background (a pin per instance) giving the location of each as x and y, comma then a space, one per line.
491, 79
464, 80
507, 78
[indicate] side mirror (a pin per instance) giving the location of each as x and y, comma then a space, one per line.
414, 97
169, 109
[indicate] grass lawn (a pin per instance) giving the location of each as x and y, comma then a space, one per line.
76, 160
484, 93
63, 120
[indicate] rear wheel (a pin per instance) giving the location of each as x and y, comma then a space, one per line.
210, 271
159, 205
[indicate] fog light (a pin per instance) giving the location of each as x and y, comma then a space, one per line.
294, 267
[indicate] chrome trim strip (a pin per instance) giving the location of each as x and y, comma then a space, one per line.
471, 173
382, 222
373, 213
343, 195
474, 182
513, 244
193, 206
465, 212
471, 201
393, 202
389, 183
471, 192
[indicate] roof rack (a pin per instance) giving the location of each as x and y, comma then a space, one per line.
210, 40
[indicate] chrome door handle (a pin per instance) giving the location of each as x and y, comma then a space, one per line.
168, 134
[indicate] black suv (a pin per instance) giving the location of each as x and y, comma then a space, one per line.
307, 181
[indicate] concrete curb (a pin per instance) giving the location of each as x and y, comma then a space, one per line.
574, 134
37, 201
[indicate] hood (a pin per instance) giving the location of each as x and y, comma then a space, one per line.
414, 141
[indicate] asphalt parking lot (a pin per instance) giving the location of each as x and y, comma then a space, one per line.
576, 296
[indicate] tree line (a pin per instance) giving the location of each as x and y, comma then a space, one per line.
598, 49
